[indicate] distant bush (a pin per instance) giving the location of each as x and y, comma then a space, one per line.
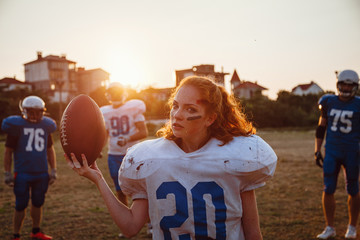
288, 110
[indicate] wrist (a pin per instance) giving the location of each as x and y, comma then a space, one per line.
317, 153
7, 173
98, 180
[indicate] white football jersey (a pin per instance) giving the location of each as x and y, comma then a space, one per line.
197, 194
121, 122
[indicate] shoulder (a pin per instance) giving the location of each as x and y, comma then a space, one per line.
140, 156
106, 108
247, 143
15, 119
136, 104
147, 148
326, 98
250, 153
49, 122
357, 99
11, 123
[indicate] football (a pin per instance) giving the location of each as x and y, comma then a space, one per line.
82, 129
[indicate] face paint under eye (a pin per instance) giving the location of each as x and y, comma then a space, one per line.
193, 118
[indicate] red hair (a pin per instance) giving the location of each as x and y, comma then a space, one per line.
230, 121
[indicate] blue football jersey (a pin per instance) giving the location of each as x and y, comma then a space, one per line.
30, 154
343, 122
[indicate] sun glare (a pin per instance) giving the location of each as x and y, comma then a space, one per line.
126, 69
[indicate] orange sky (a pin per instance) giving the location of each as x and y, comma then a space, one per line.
278, 43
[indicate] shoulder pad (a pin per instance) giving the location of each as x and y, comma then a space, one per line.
248, 154
49, 123
323, 100
139, 161
136, 103
253, 160
105, 109
10, 125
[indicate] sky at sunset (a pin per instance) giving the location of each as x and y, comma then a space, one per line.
278, 43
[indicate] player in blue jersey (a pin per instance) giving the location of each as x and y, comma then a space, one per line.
340, 121
30, 144
198, 180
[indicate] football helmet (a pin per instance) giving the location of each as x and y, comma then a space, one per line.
347, 78
32, 108
116, 93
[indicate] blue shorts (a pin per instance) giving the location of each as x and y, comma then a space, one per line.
333, 161
114, 162
26, 182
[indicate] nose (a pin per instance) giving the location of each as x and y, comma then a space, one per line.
177, 114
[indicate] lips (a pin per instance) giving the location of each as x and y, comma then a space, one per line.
177, 126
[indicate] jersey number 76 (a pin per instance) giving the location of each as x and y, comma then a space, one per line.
35, 140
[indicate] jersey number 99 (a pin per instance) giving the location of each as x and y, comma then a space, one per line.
119, 125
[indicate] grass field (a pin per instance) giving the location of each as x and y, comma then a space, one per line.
289, 205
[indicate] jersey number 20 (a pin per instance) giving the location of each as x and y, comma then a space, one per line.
199, 209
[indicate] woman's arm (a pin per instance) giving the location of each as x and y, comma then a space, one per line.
250, 217
129, 220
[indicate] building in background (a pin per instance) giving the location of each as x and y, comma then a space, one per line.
244, 89
10, 84
60, 77
158, 94
205, 70
53, 74
305, 89
88, 81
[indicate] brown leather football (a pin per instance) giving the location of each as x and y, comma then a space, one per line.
82, 129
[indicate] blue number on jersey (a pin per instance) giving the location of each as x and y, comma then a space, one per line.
199, 208
119, 125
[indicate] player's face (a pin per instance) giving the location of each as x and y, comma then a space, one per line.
34, 115
115, 95
346, 90
188, 115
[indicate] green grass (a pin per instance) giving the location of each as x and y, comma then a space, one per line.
289, 205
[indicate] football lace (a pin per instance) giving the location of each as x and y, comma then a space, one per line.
63, 136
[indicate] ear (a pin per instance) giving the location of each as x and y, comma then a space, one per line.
210, 119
